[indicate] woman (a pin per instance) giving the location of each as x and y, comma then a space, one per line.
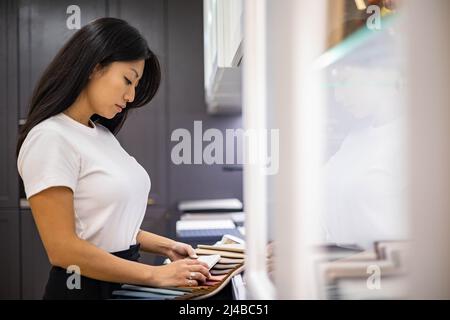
88, 196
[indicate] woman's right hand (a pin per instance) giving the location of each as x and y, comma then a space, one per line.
181, 273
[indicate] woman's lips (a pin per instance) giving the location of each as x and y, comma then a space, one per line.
119, 108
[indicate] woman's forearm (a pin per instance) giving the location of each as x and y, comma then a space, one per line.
98, 264
153, 243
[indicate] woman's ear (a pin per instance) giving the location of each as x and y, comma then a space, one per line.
98, 70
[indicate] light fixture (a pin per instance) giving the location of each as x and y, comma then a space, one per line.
360, 4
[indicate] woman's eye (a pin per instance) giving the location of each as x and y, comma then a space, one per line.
127, 80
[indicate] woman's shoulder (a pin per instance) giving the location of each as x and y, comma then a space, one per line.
48, 133
49, 127
46, 139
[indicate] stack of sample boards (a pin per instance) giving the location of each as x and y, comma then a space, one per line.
225, 259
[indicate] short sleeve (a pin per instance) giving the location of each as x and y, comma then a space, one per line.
45, 160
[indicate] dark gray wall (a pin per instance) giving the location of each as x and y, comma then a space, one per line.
9, 200
8, 104
186, 103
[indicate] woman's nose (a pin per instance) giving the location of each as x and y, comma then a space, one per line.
129, 96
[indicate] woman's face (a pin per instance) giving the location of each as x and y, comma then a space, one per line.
111, 88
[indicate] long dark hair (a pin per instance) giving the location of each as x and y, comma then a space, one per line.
102, 41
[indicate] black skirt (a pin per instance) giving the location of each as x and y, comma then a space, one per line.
90, 289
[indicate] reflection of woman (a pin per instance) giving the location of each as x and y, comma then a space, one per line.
87, 195
364, 181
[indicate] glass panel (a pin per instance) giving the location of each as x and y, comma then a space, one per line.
363, 197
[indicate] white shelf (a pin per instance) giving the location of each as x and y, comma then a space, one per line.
223, 34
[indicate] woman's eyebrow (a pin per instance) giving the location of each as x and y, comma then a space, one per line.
137, 75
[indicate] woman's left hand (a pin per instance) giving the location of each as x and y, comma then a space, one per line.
180, 250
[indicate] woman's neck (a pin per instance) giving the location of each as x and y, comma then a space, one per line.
79, 111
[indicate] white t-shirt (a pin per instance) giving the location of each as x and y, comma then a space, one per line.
110, 187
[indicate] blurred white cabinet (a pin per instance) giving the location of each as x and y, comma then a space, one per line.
223, 35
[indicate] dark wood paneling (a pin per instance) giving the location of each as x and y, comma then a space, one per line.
35, 265
9, 254
9, 197
42, 32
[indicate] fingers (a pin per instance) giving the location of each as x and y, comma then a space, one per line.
191, 252
191, 283
199, 266
195, 270
191, 261
201, 270
196, 262
204, 265
184, 249
197, 276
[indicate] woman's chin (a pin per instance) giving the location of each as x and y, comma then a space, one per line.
109, 115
